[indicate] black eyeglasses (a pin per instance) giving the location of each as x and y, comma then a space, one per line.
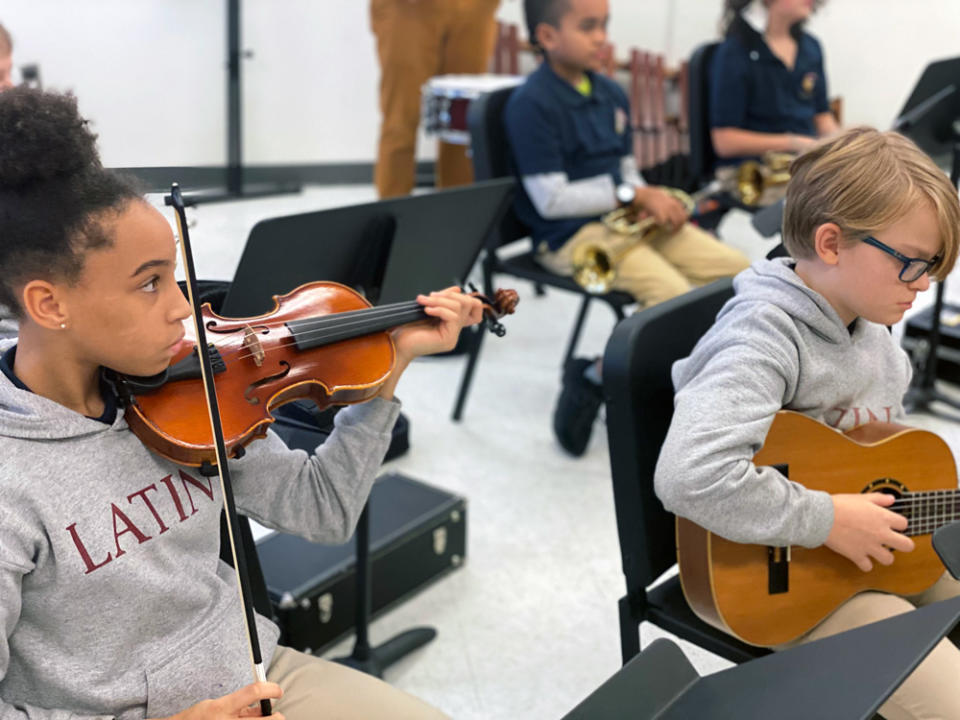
913, 268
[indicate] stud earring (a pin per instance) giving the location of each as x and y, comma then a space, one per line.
63, 326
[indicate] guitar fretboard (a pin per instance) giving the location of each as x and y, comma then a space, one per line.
928, 510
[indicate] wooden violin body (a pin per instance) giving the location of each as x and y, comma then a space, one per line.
322, 341
259, 379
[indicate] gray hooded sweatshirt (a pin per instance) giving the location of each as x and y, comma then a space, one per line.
113, 600
775, 345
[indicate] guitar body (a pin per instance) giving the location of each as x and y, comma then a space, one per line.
765, 596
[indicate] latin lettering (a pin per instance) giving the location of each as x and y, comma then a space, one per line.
146, 500
81, 548
130, 527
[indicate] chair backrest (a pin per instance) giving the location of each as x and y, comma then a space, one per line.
491, 156
639, 400
702, 156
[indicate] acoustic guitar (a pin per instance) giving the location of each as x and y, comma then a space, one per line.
771, 595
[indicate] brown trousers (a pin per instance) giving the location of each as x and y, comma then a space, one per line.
314, 688
416, 40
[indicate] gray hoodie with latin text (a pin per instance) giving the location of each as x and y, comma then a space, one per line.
114, 602
777, 344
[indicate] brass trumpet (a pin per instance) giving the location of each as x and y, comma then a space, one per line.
594, 268
755, 178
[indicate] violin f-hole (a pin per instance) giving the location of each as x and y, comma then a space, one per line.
247, 395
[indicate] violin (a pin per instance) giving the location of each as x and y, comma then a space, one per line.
322, 341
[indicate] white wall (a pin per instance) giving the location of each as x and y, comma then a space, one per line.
148, 72
152, 75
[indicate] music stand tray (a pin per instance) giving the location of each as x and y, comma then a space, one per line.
934, 104
434, 240
849, 676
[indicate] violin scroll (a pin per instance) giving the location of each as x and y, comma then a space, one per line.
504, 303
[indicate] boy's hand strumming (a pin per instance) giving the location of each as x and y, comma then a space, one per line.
863, 528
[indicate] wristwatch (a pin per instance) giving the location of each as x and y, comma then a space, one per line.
626, 194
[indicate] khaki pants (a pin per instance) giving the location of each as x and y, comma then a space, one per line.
416, 40
315, 689
931, 690
654, 270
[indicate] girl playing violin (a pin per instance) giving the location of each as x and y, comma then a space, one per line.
113, 600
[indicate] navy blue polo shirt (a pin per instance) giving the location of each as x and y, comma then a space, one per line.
751, 88
552, 127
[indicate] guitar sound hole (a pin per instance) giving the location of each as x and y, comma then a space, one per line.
888, 486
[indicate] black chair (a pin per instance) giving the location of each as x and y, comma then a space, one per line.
491, 159
639, 397
702, 155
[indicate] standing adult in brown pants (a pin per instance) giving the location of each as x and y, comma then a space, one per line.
416, 40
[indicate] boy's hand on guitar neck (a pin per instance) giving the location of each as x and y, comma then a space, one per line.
863, 528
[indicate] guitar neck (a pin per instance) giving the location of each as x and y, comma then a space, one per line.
928, 510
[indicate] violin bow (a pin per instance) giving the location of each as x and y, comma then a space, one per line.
175, 199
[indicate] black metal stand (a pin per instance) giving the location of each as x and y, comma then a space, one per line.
236, 189
374, 660
923, 393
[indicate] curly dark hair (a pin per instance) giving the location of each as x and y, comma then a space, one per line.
543, 11
53, 190
732, 8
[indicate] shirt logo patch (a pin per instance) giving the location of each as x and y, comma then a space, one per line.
808, 83
620, 121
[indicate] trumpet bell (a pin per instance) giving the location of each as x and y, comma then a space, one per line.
593, 269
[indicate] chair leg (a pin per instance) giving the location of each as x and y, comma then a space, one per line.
538, 290
467, 377
578, 326
629, 631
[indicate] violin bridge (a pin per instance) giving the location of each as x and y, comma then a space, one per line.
252, 344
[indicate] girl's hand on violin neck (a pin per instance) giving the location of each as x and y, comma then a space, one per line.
243, 703
452, 310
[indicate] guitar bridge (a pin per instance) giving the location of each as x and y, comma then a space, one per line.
778, 570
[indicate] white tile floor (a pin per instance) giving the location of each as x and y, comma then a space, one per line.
528, 627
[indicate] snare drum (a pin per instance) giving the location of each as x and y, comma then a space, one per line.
446, 98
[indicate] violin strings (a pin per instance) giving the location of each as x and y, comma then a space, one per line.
333, 324
366, 312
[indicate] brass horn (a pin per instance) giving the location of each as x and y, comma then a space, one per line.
594, 268
755, 178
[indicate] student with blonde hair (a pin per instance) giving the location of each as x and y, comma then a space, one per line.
869, 218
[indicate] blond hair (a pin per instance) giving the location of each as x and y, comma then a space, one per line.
864, 180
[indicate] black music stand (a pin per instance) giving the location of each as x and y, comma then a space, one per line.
847, 676
931, 118
353, 248
946, 541
393, 249
236, 188
435, 239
